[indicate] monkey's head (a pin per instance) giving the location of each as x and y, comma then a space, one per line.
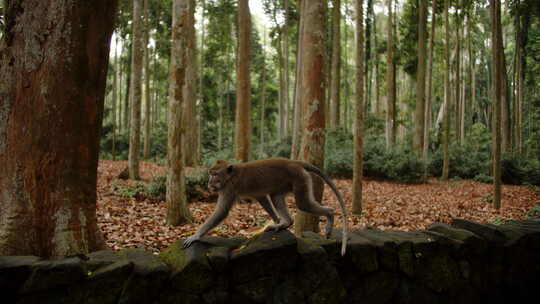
220, 173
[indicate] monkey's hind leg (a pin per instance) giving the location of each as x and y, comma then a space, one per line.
277, 203
305, 200
266, 203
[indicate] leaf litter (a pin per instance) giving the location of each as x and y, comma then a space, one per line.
138, 221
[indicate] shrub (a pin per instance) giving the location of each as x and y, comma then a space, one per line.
519, 171
339, 154
196, 180
464, 162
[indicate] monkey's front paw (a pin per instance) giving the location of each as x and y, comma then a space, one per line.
190, 240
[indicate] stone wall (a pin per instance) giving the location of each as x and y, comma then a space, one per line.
464, 262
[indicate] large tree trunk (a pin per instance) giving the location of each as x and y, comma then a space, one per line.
177, 211
420, 81
52, 86
135, 92
497, 78
312, 101
190, 91
336, 65
359, 123
446, 108
390, 83
242, 134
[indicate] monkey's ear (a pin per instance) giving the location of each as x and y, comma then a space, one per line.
230, 169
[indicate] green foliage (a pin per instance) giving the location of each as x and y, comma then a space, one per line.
483, 178
210, 157
520, 171
534, 212
127, 191
280, 148
196, 183
195, 179
157, 188
399, 164
339, 153
464, 162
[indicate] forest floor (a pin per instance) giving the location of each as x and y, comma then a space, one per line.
139, 221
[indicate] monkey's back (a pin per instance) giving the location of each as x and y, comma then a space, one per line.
267, 176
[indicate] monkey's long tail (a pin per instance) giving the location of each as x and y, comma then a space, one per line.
317, 171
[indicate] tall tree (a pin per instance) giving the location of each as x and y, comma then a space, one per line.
48, 187
177, 211
312, 101
359, 122
242, 134
429, 79
390, 82
190, 91
135, 91
420, 80
457, 77
446, 108
498, 91
297, 120
147, 105
336, 64
263, 97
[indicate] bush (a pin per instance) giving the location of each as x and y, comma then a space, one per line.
520, 171
339, 154
196, 180
464, 162
483, 178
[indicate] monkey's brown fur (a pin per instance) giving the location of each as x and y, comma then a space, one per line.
269, 181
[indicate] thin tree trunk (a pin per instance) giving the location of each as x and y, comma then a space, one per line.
497, 72
446, 114
359, 122
200, 121
297, 125
420, 116
135, 92
429, 78
390, 83
263, 97
114, 97
190, 91
177, 210
127, 95
52, 92
146, 149
336, 65
243, 88
457, 82
312, 99
286, 99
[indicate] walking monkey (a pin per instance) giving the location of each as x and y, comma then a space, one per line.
268, 181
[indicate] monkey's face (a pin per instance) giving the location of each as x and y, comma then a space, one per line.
220, 174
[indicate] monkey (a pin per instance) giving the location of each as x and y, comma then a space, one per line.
268, 181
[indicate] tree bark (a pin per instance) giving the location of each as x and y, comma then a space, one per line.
457, 100
497, 78
297, 122
446, 114
190, 91
177, 211
52, 86
359, 123
243, 87
336, 65
420, 80
390, 83
146, 145
312, 100
429, 79
135, 92
114, 97
263, 98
